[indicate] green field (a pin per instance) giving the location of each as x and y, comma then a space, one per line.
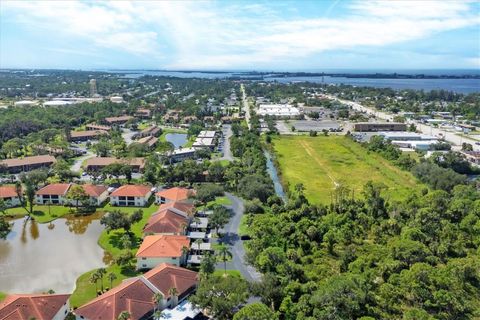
321, 163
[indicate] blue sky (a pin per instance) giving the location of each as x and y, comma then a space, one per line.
240, 35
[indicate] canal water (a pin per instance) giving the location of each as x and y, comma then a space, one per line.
37, 257
272, 171
177, 139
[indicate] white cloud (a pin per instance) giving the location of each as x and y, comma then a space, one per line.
211, 34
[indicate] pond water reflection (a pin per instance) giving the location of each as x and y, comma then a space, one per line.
38, 257
177, 139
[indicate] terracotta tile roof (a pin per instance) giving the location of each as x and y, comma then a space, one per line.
163, 246
99, 127
28, 161
176, 194
131, 190
8, 192
166, 221
105, 161
118, 119
135, 295
166, 276
91, 133
186, 208
26, 307
94, 190
54, 189
148, 140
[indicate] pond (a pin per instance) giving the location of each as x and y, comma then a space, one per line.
37, 257
177, 139
272, 171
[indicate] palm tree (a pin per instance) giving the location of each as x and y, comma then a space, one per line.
157, 299
101, 272
198, 242
225, 254
94, 277
111, 277
158, 315
124, 315
185, 251
173, 292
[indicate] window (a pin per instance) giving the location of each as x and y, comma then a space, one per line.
143, 258
144, 265
174, 258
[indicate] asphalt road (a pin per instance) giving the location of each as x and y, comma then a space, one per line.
245, 105
231, 238
428, 130
127, 135
77, 165
227, 152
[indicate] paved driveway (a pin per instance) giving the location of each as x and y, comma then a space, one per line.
231, 238
227, 133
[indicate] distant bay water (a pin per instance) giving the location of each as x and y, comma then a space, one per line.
457, 85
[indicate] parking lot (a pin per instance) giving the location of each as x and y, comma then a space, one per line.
312, 125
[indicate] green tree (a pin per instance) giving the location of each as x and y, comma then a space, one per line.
220, 295
225, 254
77, 194
255, 311
111, 277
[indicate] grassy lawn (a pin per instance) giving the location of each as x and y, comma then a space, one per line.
243, 228
110, 242
85, 291
320, 163
42, 214
219, 201
3, 295
231, 273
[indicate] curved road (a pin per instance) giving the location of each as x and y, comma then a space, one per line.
231, 238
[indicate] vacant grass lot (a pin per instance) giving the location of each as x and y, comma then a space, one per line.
320, 163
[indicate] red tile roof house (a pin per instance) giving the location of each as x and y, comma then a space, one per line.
135, 295
56, 193
118, 120
98, 194
157, 249
87, 135
9, 195
173, 194
34, 306
168, 222
18, 165
131, 196
184, 208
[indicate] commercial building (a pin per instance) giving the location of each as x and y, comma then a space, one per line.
379, 126
18, 165
421, 145
157, 249
131, 196
405, 136
278, 110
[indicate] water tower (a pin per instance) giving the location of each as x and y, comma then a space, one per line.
93, 87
